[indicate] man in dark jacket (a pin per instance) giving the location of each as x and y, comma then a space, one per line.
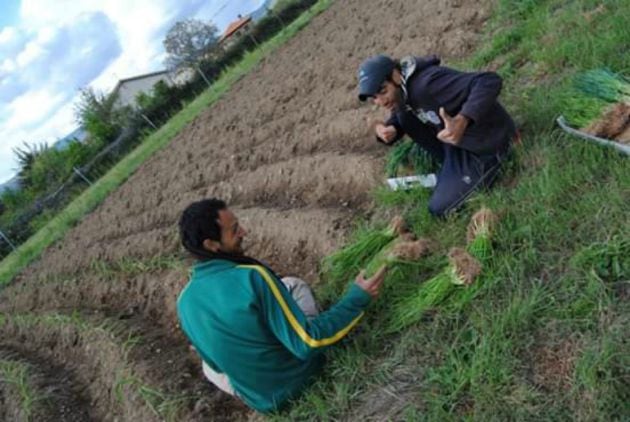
454, 116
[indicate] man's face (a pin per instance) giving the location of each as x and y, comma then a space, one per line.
389, 96
232, 233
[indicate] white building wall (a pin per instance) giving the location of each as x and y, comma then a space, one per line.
128, 90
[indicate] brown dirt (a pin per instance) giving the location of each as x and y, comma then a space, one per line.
553, 364
289, 147
58, 397
614, 124
116, 358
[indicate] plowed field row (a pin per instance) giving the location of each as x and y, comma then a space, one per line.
288, 147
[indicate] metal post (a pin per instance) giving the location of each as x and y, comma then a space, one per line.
202, 75
78, 172
7, 240
148, 120
253, 39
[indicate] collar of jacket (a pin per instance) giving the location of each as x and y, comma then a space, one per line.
215, 265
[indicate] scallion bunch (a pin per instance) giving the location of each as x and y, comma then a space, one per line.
604, 84
347, 262
399, 251
462, 269
479, 234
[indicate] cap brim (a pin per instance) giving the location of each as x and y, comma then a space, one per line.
369, 89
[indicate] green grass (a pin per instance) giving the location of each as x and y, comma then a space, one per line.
92, 197
543, 333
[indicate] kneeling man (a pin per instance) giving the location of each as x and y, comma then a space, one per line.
454, 116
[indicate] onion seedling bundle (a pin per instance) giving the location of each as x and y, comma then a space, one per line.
398, 251
605, 85
407, 158
353, 257
479, 234
461, 270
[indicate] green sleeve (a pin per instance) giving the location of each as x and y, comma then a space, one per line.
286, 320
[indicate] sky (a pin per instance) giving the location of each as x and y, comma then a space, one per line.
50, 49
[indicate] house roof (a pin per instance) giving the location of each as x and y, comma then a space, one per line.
234, 26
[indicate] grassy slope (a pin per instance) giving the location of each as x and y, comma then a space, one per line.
88, 200
543, 334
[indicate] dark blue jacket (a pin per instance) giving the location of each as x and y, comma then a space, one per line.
427, 86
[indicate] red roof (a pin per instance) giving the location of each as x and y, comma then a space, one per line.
234, 26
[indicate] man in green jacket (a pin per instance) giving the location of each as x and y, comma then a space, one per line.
255, 340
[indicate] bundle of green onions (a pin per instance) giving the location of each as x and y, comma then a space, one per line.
462, 269
346, 262
479, 234
398, 251
409, 158
605, 85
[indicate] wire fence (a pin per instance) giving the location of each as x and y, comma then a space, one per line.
55, 199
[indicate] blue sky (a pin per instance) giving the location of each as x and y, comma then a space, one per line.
49, 49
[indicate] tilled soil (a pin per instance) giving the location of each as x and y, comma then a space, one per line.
56, 392
288, 147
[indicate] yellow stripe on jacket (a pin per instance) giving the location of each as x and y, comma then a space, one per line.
300, 331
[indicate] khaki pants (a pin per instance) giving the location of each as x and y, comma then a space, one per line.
303, 296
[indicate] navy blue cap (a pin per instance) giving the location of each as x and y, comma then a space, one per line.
372, 73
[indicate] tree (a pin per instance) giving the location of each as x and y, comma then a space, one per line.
26, 156
188, 41
96, 112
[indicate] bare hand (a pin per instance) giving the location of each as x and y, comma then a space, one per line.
386, 133
454, 127
373, 284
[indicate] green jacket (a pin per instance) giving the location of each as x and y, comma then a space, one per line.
244, 323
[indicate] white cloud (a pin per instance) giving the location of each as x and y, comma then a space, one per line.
60, 46
60, 123
8, 35
24, 113
31, 53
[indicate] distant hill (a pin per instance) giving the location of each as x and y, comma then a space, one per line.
78, 134
13, 184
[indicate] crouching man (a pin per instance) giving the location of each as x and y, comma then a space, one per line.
260, 337
454, 116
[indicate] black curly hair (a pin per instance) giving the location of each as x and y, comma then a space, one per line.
199, 222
